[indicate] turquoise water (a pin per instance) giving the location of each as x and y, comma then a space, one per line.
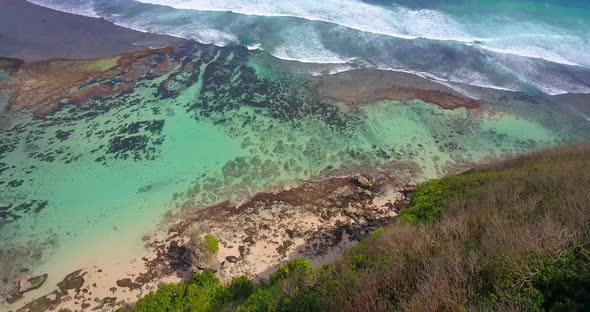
86, 182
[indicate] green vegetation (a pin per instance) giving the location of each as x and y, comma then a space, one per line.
206, 245
97, 65
430, 198
510, 236
202, 293
212, 243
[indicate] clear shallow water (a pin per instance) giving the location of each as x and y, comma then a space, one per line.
504, 44
82, 185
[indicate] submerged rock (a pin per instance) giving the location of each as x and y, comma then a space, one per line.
13, 297
33, 283
41, 304
26, 285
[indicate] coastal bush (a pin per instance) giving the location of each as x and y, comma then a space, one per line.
510, 236
430, 198
240, 287
205, 279
297, 266
212, 243
170, 297
208, 243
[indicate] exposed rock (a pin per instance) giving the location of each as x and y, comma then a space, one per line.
231, 259
249, 239
198, 254
74, 280
127, 282
284, 247
147, 277
363, 182
106, 301
209, 264
311, 220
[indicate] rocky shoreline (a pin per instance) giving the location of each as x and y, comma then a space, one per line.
43, 85
317, 220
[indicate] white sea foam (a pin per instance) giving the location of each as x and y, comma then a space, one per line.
534, 52
254, 46
304, 45
78, 7
475, 80
204, 34
304, 42
392, 21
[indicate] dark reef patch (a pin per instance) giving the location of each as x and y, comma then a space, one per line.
13, 212
63, 135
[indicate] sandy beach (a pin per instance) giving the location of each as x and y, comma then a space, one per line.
316, 220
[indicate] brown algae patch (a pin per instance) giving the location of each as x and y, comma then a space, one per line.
356, 87
42, 85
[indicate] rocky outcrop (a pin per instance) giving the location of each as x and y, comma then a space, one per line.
128, 283
316, 220
74, 280
363, 182
198, 254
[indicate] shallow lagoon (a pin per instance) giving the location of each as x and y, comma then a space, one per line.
82, 185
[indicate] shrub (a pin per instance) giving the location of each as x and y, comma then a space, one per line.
205, 279
430, 198
297, 266
240, 287
212, 243
170, 297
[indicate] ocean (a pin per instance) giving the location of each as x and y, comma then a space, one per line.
240, 113
515, 45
